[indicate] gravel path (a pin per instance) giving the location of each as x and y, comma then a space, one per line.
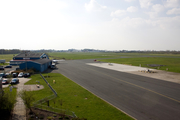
19, 112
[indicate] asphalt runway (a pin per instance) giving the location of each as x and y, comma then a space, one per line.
141, 97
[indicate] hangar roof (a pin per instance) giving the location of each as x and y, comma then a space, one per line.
42, 61
30, 55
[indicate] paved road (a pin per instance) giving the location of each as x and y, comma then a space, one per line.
141, 97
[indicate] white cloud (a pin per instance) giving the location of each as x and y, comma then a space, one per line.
114, 19
172, 3
141, 23
132, 9
157, 8
129, 0
94, 6
31, 20
129, 23
118, 13
152, 15
145, 3
169, 22
173, 11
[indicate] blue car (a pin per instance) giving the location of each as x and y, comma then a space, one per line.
2, 75
15, 81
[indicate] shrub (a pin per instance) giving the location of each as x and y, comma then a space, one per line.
49, 118
6, 101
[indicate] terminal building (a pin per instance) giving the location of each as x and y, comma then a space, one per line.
28, 60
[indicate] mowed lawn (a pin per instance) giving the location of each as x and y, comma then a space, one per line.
81, 55
76, 99
95, 55
6, 57
173, 64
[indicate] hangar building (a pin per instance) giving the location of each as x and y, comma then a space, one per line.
38, 61
39, 65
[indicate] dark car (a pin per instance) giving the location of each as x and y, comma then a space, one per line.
7, 75
15, 81
8, 66
5, 81
1, 68
26, 75
14, 75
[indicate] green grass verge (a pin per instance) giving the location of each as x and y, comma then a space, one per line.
76, 99
13, 92
173, 64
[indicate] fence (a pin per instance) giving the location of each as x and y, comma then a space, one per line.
39, 103
49, 85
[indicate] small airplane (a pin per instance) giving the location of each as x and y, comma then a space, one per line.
56, 61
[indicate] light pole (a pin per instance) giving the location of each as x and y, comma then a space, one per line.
26, 60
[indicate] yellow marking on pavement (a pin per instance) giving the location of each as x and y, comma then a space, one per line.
139, 86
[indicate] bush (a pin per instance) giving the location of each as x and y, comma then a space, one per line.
49, 118
6, 101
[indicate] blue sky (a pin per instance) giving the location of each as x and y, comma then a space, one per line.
96, 24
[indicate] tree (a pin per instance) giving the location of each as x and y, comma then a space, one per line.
28, 98
6, 101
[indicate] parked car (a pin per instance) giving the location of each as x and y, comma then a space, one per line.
5, 81
20, 74
15, 81
7, 74
8, 66
1, 68
2, 75
26, 75
14, 75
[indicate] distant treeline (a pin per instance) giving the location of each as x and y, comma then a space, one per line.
13, 51
17, 51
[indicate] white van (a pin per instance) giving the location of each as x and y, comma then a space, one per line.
53, 66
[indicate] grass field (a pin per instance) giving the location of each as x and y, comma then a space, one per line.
81, 55
95, 55
7, 57
76, 99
